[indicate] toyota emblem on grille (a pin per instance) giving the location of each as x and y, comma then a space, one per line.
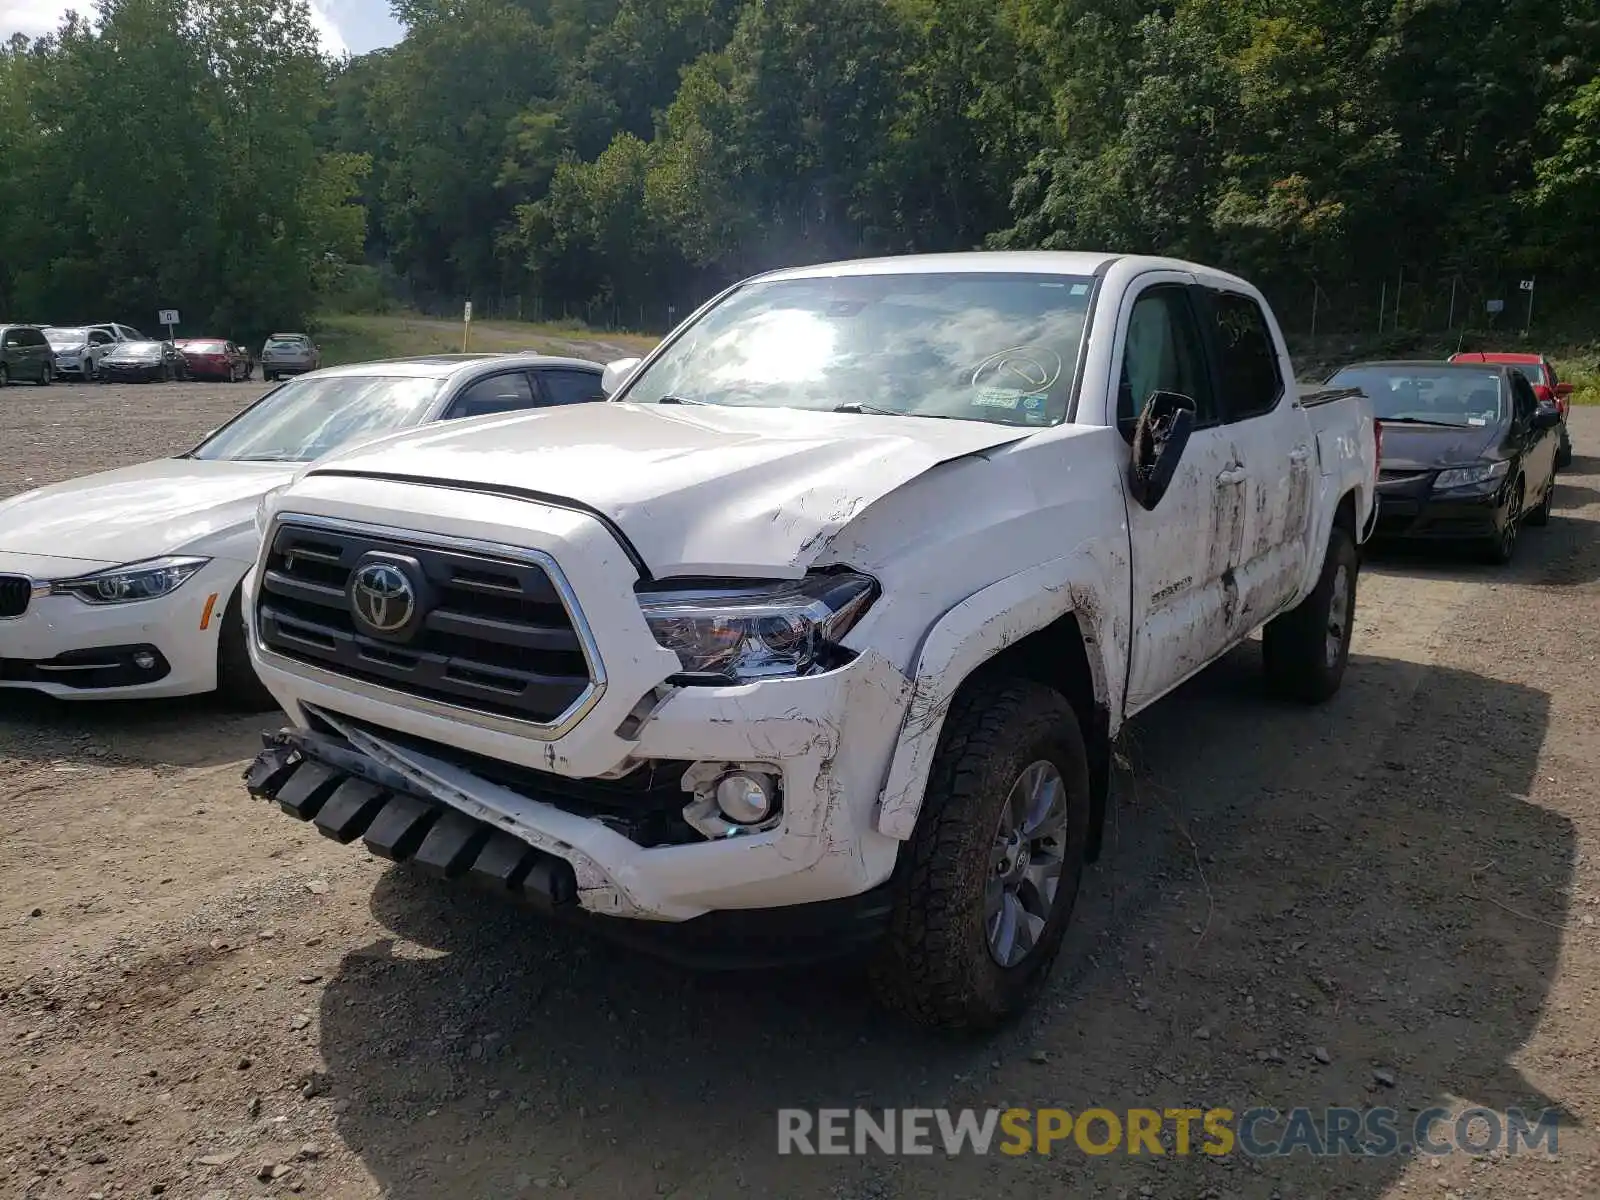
382, 597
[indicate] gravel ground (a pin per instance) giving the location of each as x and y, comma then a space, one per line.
1390, 900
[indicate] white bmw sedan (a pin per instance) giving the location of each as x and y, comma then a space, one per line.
126, 583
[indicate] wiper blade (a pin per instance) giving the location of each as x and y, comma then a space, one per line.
682, 400
269, 458
1422, 421
870, 410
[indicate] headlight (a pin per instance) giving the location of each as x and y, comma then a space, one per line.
136, 581
733, 634
1467, 476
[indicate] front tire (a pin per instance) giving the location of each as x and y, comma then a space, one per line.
1503, 548
993, 870
1564, 450
238, 685
46, 375
1305, 651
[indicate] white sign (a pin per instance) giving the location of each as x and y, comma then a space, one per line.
169, 316
1495, 306
1527, 285
467, 315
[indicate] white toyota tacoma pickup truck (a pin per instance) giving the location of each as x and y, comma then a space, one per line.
816, 637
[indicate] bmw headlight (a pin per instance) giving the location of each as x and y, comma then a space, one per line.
137, 581
1467, 476
735, 634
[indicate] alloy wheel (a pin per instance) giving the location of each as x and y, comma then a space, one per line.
1025, 862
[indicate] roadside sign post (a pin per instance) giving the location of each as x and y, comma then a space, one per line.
1527, 286
169, 318
1494, 309
466, 326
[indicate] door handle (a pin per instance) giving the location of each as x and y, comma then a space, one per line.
1233, 475
1299, 454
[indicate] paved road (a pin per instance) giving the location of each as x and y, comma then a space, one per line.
193, 988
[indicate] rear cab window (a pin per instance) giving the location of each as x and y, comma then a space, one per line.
1247, 357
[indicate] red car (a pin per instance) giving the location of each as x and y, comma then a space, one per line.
1540, 372
213, 358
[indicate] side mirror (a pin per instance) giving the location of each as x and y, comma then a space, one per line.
1564, 390
1548, 417
616, 374
1159, 440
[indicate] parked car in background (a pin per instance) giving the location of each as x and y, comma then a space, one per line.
289, 354
119, 332
1540, 372
816, 637
213, 358
25, 355
126, 583
144, 362
79, 349
1469, 453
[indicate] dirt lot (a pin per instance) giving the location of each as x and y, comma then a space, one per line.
196, 993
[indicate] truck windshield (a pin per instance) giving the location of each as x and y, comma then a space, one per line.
308, 418
1436, 397
995, 347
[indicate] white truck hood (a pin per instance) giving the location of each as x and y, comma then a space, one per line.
698, 490
133, 513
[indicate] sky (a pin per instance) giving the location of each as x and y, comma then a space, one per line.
345, 26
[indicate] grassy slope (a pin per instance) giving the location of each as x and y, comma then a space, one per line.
347, 339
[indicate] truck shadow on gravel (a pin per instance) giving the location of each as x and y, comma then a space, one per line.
191, 732
1365, 880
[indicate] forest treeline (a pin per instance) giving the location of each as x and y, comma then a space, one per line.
634, 154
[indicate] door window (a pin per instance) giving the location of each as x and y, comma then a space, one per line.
1162, 354
496, 394
1522, 396
1247, 357
570, 387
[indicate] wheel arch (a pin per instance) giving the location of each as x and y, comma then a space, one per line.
1052, 632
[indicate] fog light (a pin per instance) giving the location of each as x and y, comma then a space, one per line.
733, 799
144, 660
744, 799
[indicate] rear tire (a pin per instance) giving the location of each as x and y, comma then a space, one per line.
973, 934
1305, 650
238, 685
1564, 450
5, 376
46, 375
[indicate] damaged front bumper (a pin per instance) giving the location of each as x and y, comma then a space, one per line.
347, 795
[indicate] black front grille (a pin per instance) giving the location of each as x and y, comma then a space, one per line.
15, 591
496, 636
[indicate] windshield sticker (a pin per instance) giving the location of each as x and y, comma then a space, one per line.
1080, 289
1477, 421
997, 398
1022, 370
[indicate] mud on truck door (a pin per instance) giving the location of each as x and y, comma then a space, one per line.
1272, 441
1185, 549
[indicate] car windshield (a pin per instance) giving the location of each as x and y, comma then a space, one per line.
285, 343
138, 350
205, 347
308, 418
1439, 397
992, 347
67, 337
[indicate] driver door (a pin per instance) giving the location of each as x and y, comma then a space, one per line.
1185, 550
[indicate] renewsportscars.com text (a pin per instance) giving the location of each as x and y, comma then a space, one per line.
1255, 1132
